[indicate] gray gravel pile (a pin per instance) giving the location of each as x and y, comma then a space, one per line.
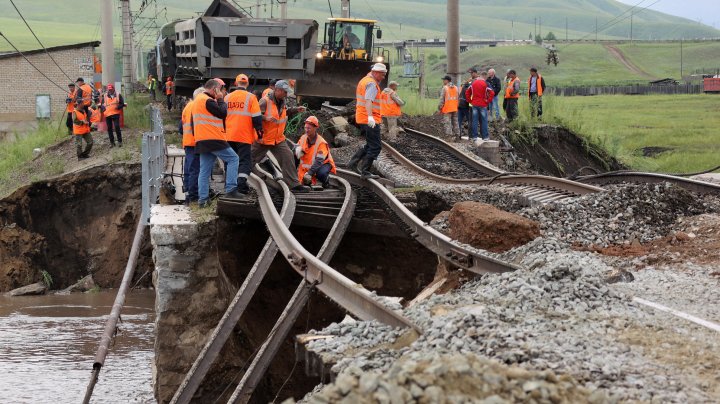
557, 314
623, 213
350, 335
453, 379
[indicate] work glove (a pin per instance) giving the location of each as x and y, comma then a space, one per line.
298, 152
371, 122
307, 179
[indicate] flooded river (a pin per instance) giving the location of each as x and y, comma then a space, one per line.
47, 346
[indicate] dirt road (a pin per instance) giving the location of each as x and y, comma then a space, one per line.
617, 53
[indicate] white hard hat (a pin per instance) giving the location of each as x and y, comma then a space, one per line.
379, 67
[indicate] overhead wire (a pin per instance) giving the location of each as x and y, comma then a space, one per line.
377, 17
38, 39
33, 65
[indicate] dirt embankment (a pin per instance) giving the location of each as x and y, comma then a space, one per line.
79, 224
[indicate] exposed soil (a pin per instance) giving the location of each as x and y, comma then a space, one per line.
79, 224
486, 227
620, 56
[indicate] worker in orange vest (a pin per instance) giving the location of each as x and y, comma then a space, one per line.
390, 104
242, 125
272, 138
191, 168
169, 91
536, 85
313, 151
111, 106
208, 115
81, 130
84, 93
369, 117
448, 107
70, 101
270, 89
512, 94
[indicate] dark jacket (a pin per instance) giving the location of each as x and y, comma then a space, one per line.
495, 84
462, 102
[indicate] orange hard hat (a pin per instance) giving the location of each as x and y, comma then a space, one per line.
241, 78
311, 119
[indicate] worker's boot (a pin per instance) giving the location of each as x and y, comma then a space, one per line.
365, 166
355, 159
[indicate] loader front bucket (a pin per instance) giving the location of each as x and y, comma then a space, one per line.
334, 80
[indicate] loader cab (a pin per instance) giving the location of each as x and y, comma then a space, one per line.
348, 39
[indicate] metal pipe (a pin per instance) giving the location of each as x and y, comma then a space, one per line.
106, 47
111, 324
453, 40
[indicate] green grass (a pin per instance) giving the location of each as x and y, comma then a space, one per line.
137, 115
687, 124
663, 59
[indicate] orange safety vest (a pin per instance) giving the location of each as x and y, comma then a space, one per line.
71, 105
274, 122
320, 148
242, 107
188, 140
113, 107
169, 87
86, 94
361, 114
539, 85
84, 127
266, 92
509, 89
95, 115
451, 100
388, 106
206, 126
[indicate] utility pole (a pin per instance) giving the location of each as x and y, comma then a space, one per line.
540, 26
283, 9
453, 39
534, 28
631, 27
566, 29
421, 80
595, 28
127, 47
106, 48
257, 9
345, 9
512, 25
681, 59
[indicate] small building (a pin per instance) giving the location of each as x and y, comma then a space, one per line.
22, 87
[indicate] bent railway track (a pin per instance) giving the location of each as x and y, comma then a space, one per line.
618, 177
463, 256
315, 274
534, 188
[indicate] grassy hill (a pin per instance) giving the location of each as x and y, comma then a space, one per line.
57, 23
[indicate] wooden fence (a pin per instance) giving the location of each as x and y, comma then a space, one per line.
628, 90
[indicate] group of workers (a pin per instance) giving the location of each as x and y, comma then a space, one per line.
168, 88
240, 129
86, 107
478, 100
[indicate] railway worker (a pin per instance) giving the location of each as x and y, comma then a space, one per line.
208, 114
275, 113
512, 95
390, 104
369, 117
479, 95
448, 107
494, 82
152, 86
242, 124
350, 40
111, 105
70, 101
191, 168
464, 110
81, 130
270, 89
169, 91
84, 93
313, 151
536, 85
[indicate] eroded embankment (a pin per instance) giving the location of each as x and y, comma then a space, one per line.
71, 226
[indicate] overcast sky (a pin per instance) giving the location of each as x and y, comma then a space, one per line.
705, 11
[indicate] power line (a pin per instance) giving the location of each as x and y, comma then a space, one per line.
38, 39
377, 16
31, 63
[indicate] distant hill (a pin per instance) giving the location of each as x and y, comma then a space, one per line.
62, 22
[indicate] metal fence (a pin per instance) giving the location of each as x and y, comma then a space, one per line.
628, 90
153, 162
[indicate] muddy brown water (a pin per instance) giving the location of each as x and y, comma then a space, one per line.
48, 343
